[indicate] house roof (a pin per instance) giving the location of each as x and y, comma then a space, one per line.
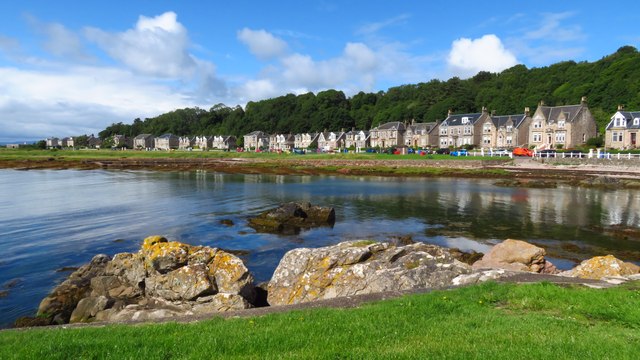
256, 133
393, 125
143, 136
166, 136
553, 112
629, 116
456, 119
499, 121
421, 126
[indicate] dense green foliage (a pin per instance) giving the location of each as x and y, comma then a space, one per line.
489, 321
606, 82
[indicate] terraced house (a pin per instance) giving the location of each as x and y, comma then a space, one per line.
506, 131
167, 142
417, 134
357, 140
306, 140
388, 135
223, 142
281, 142
561, 127
256, 140
331, 140
623, 130
458, 130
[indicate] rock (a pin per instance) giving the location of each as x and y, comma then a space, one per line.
165, 278
514, 255
603, 266
66, 296
480, 276
360, 267
28, 321
185, 283
87, 308
226, 222
291, 217
466, 257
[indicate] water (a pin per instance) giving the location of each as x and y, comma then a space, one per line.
55, 219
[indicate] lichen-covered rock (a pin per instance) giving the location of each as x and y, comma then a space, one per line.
291, 217
515, 255
360, 267
165, 278
64, 298
186, 283
601, 267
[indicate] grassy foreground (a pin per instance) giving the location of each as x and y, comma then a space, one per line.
489, 321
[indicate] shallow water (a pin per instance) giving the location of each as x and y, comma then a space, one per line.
53, 219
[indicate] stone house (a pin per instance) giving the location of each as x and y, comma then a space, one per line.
306, 140
93, 142
186, 142
567, 126
52, 142
256, 140
331, 141
143, 141
506, 131
203, 142
388, 134
433, 135
120, 141
358, 139
223, 142
67, 142
281, 142
417, 134
167, 142
623, 131
458, 130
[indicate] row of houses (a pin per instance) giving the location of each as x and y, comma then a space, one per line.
148, 141
549, 127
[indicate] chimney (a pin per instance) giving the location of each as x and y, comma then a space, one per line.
484, 109
620, 107
449, 112
493, 113
541, 103
413, 121
526, 111
583, 100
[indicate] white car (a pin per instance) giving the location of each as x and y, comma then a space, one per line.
499, 152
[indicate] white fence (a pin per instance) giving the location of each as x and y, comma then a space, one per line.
592, 154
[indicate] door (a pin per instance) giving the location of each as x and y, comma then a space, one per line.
633, 139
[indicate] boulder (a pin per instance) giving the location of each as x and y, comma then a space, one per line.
165, 278
291, 217
600, 267
360, 267
515, 255
64, 298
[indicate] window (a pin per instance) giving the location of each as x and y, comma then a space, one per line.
560, 137
486, 140
509, 128
561, 123
537, 137
617, 136
467, 130
486, 127
509, 141
537, 125
636, 121
443, 131
459, 131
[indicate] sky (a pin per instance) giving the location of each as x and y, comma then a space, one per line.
74, 67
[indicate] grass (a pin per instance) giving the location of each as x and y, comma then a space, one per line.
489, 321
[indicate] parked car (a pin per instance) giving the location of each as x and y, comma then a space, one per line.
443, 151
548, 153
520, 151
574, 153
500, 152
299, 151
459, 152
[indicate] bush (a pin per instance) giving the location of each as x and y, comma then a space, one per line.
595, 142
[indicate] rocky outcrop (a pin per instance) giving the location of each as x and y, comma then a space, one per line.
601, 267
165, 278
360, 267
516, 255
292, 217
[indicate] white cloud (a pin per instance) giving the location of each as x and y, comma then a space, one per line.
553, 27
374, 27
469, 56
262, 43
58, 40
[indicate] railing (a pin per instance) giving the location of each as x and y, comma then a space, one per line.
598, 154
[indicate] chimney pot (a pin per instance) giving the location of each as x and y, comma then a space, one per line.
583, 100
620, 107
526, 111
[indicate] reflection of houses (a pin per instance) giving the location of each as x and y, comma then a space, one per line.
167, 142
185, 142
143, 141
330, 141
417, 134
203, 142
506, 130
357, 139
52, 142
562, 126
623, 130
67, 142
306, 141
121, 141
462, 129
388, 134
281, 142
256, 140
223, 142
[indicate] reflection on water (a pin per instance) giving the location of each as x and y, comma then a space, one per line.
53, 219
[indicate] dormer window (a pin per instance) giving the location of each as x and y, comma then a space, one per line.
465, 120
636, 121
509, 128
537, 125
561, 123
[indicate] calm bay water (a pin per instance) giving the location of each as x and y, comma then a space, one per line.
55, 219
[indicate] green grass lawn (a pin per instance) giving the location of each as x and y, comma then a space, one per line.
489, 321
24, 154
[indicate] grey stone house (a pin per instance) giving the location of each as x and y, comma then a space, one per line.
331, 140
143, 141
223, 142
506, 131
623, 131
357, 139
388, 134
167, 142
554, 127
417, 134
458, 130
306, 140
256, 140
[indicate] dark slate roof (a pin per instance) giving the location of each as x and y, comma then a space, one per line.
553, 112
392, 125
256, 133
166, 136
629, 115
421, 126
143, 136
456, 119
499, 121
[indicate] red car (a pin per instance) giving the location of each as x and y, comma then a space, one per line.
522, 152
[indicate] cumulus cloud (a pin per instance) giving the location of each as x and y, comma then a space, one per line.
469, 56
262, 43
59, 40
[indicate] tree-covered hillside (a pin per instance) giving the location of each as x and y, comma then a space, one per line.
607, 82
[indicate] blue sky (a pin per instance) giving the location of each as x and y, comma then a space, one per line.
74, 67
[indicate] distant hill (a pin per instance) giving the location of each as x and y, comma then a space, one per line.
607, 82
